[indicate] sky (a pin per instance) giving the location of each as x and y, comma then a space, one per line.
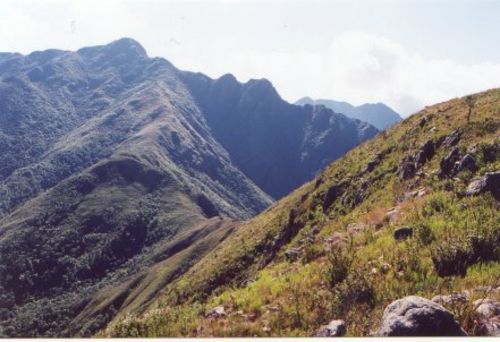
405, 53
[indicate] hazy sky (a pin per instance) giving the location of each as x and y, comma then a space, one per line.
405, 53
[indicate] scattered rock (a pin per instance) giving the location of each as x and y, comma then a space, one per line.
487, 289
407, 170
423, 121
487, 308
467, 163
417, 316
274, 308
425, 153
216, 312
403, 233
452, 139
337, 239
448, 162
374, 271
417, 193
335, 328
392, 213
332, 194
374, 163
292, 254
315, 230
489, 327
491, 153
385, 268
355, 228
453, 299
489, 182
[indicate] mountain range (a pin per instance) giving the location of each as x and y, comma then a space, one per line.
377, 114
120, 171
140, 200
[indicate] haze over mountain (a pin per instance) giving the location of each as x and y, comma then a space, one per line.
119, 169
377, 114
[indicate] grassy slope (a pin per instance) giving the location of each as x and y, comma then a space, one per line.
265, 294
171, 259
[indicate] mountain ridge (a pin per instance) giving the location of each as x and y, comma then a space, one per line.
107, 161
378, 114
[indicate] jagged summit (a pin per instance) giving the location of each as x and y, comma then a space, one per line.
122, 49
377, 114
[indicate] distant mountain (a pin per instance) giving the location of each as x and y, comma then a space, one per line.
377, 114
276, 144
119, 171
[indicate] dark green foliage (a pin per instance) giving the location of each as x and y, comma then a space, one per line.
452, 257
356, 289
424, 234
339, 264
456, 254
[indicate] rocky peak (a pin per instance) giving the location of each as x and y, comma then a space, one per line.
121, 50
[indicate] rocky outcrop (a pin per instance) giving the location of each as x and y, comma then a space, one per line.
448, 162
417, 316
407, 169
332, 194
489, 182
487, 307
452, 139
335, 328
425, 153
489, 312
216, 312
453, 299
467, 163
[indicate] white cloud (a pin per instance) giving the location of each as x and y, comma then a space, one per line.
216, 37
360, 67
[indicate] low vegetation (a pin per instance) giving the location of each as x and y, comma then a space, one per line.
328, 250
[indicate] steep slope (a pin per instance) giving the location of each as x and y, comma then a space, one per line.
118, 160
277, 145
377, 114
413, 211
114, 179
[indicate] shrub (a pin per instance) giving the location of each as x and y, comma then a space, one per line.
356, 289
452, 257
456, 254
338, 268
424, 235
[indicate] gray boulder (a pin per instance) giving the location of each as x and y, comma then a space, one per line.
335, 328
452, 139
425, 153
487, 307
453, 299
216, 312
489, 182
467, 163
489, 327
448, 162
417, 316
407, 169
292, 254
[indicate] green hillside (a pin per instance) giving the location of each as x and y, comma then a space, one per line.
328, 250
